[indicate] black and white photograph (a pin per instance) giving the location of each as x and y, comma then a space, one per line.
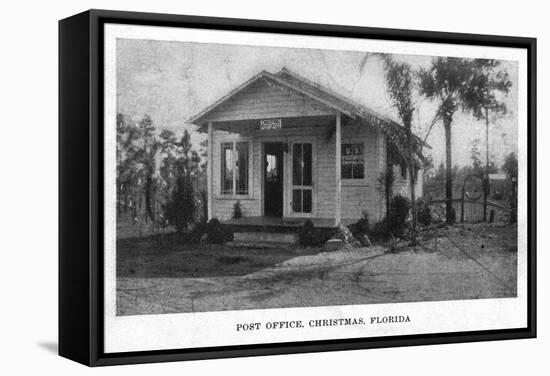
266, 188
252, 177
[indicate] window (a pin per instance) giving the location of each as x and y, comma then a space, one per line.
241, 168
301, 164
353, 161
227, 168
302, 177
234, 178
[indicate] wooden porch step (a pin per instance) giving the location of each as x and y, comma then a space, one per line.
266, 237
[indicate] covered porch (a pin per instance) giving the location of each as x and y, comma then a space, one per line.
275, 149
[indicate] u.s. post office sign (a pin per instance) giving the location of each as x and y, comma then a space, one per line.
270, 124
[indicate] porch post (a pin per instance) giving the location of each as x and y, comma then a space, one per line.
210, 170
338, 171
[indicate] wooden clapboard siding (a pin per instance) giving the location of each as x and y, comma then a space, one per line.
223, 208
264, 99
325, 183
357, 196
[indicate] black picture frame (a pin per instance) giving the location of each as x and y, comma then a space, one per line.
81, 186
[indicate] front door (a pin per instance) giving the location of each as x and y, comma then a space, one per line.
302, 179
273, 179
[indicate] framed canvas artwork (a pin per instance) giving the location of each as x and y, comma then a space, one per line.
236, 187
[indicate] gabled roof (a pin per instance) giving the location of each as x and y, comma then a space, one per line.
295, 85
309, 86
393, 130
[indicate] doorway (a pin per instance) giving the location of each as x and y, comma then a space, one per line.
273, 179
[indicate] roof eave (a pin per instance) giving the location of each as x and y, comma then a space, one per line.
196, 119
199, 119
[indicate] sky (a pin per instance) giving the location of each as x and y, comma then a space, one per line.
172, 81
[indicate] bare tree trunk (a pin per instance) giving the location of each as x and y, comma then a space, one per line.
118, 199
125, 190
387, 187
412, 173
486, 177
205, 203
448, 173
148, 199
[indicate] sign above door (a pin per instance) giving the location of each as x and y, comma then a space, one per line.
270, 124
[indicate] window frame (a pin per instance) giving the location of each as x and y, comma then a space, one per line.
354, 180
223, 194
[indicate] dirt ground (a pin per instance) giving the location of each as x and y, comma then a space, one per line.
155, 279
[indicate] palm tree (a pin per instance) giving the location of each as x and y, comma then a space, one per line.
487, 86
400, 83
448, 81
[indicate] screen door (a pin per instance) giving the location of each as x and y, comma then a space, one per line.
302, 179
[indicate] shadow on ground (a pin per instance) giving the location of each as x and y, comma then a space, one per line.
163, 256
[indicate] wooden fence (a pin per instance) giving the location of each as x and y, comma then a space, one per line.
473, 210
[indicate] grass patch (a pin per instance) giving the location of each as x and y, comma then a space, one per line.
167, 256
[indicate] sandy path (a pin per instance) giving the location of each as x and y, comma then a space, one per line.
356, 276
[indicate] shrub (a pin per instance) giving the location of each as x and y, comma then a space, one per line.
424, 215
311, 236
397, 221
179, 211
196, 233
361, 227
237, 212
344, 233
217, 233
380, 230
362, 231
398, 213
306, 233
